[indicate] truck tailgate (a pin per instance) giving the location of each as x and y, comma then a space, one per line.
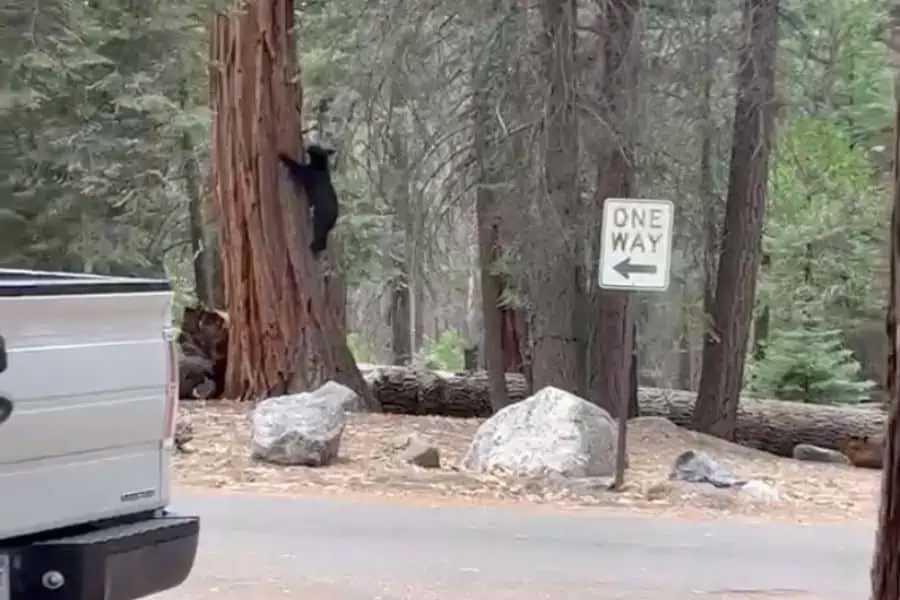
87, 378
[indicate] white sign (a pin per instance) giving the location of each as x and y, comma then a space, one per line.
636, 253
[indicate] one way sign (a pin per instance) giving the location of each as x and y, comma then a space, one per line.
637, 244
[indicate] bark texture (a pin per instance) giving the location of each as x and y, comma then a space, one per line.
556, 352
283, 334
609, 362
499, 331
886, 564
725, 347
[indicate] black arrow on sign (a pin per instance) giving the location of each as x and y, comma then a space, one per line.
626, 268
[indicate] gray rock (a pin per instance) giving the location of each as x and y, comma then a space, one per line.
416, 450
298, 429
551, 433
341, 394
695, 466
811, 453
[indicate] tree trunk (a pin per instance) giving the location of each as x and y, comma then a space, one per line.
613, 326
725, 347
401, 314
556, 357
763, 321
708, 192
418, 321
886, 564
685, 370
283, 336
488, 215
200, 251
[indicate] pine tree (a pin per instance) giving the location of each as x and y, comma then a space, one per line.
809, 365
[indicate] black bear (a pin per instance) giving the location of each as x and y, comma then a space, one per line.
315, 178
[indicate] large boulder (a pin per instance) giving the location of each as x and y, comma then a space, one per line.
341, 394
298, 429
551, 433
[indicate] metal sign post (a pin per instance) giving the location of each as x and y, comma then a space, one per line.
635, 256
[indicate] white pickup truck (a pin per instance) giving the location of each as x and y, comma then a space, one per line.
88, 402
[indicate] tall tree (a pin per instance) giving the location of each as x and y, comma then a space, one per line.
556, 357
283, 336
886, 567
487, 208
613, 336
725, 343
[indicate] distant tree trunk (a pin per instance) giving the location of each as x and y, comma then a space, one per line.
886, 567
613, 326
200, 250
557, 358
685, 372
418, 341
488, 214
708, 192
763, 319
634, 408
725, 347
330, 261
401, 308
401, 334
283, 337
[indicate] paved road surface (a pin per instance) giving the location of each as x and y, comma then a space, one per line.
263, 548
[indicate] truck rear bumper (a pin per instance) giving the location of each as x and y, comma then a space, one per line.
120, 562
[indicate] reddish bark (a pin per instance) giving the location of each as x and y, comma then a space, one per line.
509, 341
284, 335
725, 345
886, 564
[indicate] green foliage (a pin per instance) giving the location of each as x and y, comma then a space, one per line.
835, 66
446, 352
823, 228
808, 365
103, 109
361, 349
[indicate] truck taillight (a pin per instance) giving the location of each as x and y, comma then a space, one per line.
171, 385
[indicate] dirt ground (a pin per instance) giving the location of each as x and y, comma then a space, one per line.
367, 465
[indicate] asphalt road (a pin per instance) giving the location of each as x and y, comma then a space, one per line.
259, 548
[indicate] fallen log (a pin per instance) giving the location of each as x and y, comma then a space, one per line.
775, 426
770, 425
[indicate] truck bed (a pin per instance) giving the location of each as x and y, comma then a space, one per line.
87, 375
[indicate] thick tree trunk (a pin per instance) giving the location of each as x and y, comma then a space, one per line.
609, 361
557, 357
283, 336
725, 347
886, 566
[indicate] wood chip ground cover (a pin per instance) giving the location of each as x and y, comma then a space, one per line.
367, 465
